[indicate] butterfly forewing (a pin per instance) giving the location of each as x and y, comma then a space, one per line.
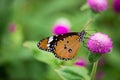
43, 44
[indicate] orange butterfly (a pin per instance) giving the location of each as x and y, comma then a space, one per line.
64, 46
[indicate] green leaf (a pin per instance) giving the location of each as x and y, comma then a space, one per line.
94, 57
43, 56
73, 73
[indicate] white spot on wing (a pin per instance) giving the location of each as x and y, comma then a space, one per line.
50, 39
48, 45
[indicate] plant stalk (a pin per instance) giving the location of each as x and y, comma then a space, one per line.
92, 76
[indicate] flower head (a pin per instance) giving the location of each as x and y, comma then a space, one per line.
12, 27
98, 5
99, 43
61, 26
116, 6
81, 62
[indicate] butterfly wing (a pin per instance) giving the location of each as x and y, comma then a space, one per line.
64, 46
43, 44
67, 48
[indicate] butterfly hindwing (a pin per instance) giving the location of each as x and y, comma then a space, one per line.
67, 48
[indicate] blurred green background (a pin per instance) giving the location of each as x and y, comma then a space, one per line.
33, 20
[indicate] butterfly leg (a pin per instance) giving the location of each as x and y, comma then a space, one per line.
84, 44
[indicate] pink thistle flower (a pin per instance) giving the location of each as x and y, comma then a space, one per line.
12, 27
116, 6
62, 26
81, 62
98, 5
99, 43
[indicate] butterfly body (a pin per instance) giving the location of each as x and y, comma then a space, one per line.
64, 46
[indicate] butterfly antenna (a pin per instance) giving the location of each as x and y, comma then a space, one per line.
87, 24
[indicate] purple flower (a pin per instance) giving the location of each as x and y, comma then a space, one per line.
116, 6
98, 5
102, 61
12, 27
81, 62
99, 43
99, 75
62, 26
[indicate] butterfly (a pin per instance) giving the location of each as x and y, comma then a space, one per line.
64, 46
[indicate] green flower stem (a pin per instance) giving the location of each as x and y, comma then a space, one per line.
92, 76
87, 24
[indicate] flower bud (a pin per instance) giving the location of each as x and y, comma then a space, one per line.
116, 6
12, 27
98, 5
62, 26
81, 62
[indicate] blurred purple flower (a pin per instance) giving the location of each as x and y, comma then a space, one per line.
116, 6
99, 75
12, 27
62, 26
98, 5
81, 62
101, 62
99, 43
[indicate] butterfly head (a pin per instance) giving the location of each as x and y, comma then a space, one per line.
82, 35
